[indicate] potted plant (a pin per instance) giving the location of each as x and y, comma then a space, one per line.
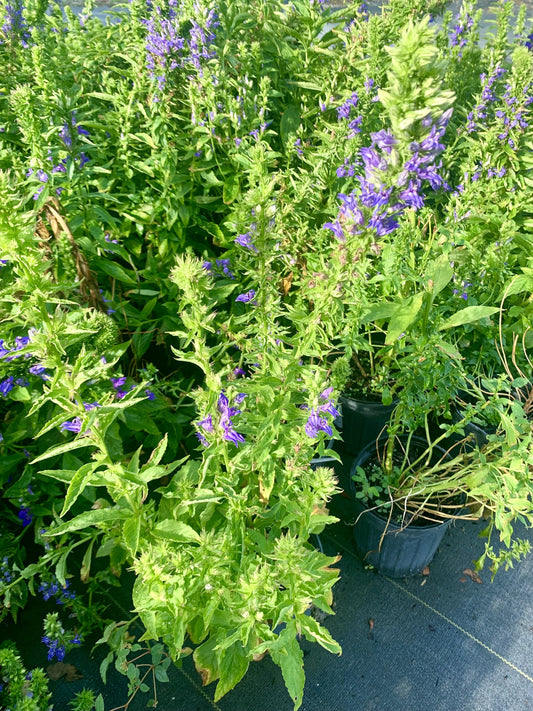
388, 269
407, 490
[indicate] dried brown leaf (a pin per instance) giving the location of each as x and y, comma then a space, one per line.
474, 577
60, 670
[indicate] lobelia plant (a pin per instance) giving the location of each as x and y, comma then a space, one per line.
231, 566
255, 189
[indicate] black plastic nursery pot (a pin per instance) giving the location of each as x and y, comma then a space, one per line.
393, 549
362, 422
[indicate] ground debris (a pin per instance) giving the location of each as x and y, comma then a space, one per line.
474, 577
60, 670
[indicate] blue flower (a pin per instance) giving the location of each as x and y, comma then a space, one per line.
90, 406
245, 240
328, 406
55, 648
25, 516
246, 298
6, 386
316, 424
118, 382
71, 426
39, 370
206, 424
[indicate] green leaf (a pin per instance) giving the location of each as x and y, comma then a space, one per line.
30, 570
379, 312
468, 315
314, 631
160, 674
116, 271
232, 666
440, 273
104, 666
77, 485
206, 661
68, 447
61, 568
176, 531
141, 341
231, 189
290, 121
288, 655
131, 533
521, 282
90, 518
133, 465
306, 85
405, 315
159, 451
65, 475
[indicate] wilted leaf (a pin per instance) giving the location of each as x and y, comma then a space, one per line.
60, 670
286, 283
474, 577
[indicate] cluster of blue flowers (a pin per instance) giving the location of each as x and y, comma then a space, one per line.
166, 50
57, 647
478, 115
53, 589
459, 32
25, 516
66, 133
507, 112
248, 297
206, 426
20, 343
384, 192
10, 354
6, 574
76, 424
219, 268
14, 27
344, 112
480, 172
316, 422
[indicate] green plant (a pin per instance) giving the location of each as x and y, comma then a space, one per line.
21, 690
